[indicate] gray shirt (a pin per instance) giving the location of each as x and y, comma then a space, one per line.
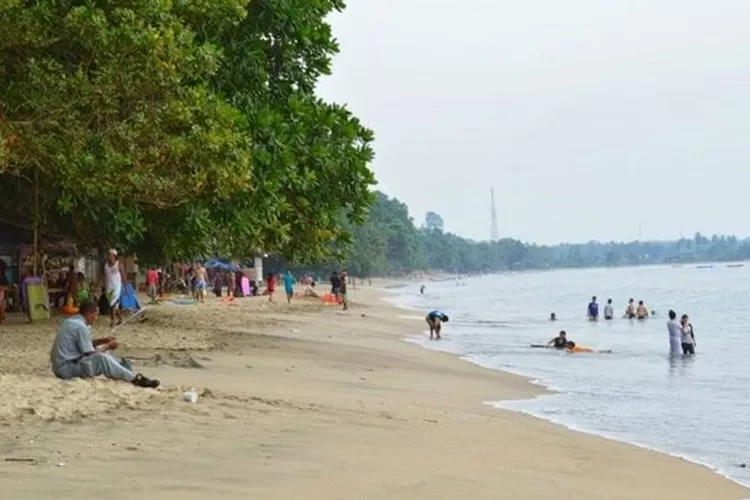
71, 343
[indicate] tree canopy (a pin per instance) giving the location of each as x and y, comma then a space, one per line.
176, 129
389, 243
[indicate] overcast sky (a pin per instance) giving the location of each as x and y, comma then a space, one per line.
597, 119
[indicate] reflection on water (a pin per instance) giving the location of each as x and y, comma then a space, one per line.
696, 406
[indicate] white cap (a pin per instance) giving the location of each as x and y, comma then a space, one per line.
112, 251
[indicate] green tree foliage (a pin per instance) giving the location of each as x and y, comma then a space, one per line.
178, 128
389, 244
112, 117
433, 222
310, 158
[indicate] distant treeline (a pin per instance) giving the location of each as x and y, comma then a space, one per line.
390, 243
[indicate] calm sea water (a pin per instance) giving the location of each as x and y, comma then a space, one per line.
697, 408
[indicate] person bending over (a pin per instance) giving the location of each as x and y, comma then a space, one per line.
435, 321
75, 355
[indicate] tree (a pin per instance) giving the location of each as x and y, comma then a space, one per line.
311, 157
178, 129
388, 243
115, 128
433, 222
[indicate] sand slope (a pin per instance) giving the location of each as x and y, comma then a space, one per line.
302, 403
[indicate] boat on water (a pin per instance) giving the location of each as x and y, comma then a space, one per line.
736, 265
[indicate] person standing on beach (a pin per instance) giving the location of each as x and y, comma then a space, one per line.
675, 334
335, 284
688, 335
289, 286
114, 283
593, 310
270, 286
201, 282
75, 355
609, 312
342, 290
152, 282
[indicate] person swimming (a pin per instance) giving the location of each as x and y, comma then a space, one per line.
559, 342
435, 320
572, 347
552, 317
593, 310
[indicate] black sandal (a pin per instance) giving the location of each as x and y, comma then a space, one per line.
142, 381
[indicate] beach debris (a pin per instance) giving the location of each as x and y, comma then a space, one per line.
294, 330
190, 396
21, 460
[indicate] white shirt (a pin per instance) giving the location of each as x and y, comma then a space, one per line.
608, 311
675, 330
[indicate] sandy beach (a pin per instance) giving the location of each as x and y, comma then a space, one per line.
301, 402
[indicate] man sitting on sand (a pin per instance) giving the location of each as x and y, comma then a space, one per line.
74, 355
435, 320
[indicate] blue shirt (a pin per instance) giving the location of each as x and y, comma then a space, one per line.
594, 310
72, 341
289, 281
436, 314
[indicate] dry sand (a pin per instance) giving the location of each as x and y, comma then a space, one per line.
301, 402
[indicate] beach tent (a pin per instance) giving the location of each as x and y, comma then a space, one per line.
129, 300
220, 265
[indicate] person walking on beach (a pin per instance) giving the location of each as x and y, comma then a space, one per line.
75, 355
289, 286
270, 286
688, 335
675, 334
114, 283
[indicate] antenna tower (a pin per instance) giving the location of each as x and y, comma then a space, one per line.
494, 232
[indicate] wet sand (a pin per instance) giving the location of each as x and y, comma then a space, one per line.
301, 402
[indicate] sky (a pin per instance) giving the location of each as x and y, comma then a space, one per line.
597, 119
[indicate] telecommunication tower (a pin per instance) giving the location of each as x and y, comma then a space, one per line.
494, 232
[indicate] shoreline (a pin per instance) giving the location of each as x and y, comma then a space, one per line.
543, 390
306, 402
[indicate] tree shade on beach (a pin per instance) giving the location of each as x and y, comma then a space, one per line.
177, 129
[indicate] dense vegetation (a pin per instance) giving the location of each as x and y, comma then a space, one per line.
390, 243
175, 129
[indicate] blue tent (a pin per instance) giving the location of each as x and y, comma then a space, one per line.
129, 300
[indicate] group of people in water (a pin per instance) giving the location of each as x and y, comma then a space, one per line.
631, 312
681, 335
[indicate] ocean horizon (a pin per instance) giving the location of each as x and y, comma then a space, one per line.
696, 408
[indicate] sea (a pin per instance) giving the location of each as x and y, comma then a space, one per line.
697, 408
